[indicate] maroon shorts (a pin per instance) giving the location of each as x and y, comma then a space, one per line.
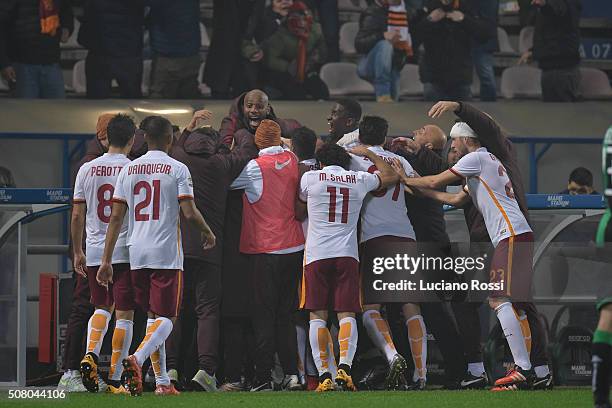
119, 292
331, 283
512, 263
159, 291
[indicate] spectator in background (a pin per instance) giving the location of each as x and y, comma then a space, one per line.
447, 29
223, 72
261, 26
6, 178
385, 40
327, 15
174, 30
294, 54
580, 182
112, 32
482, 52
30, 34
556, 39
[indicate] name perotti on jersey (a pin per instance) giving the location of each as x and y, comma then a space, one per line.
152, 187
384, 212
491, 191
334, 197
94, 186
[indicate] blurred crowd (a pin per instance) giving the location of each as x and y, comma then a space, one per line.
280, 46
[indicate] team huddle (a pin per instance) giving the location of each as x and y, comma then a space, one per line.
311, 210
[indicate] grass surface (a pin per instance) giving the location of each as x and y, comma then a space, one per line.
565, 397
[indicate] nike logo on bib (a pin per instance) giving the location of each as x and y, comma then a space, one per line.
280, 166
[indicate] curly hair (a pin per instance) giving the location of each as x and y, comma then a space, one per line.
333, 155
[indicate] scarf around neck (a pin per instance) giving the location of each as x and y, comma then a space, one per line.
397, 20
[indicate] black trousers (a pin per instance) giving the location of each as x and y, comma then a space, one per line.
291, 89
101, 70
273, 302
560, 85
199, 312
76, 331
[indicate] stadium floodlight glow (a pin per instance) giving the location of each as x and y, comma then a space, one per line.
162, 111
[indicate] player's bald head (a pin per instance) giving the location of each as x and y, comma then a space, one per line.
430, 136
256, 96
255, 107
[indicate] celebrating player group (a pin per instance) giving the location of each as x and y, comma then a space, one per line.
291, 216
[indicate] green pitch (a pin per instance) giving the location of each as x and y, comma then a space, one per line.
565, 397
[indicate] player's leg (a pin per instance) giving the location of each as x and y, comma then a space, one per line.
536, 342
322, 354
314, 296
309, 376
301, 336
164, 293
376, 326
124, 326
347, 302
522, 375
510, 267
417, 336
380, 334
602, 355
102, 299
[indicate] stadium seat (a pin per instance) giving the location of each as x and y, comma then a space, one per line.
67, 74
504, 42
204, 89
521, 81
342, 79
79, 82
525, 39
347, 5
410, 81
72, 40
146, 77
348, 32
204, 39
594, 84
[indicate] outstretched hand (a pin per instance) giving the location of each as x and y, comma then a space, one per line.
443, 106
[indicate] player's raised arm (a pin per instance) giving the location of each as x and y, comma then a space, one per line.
454, 199
105, 272
387, 176
434, 182
194, 217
